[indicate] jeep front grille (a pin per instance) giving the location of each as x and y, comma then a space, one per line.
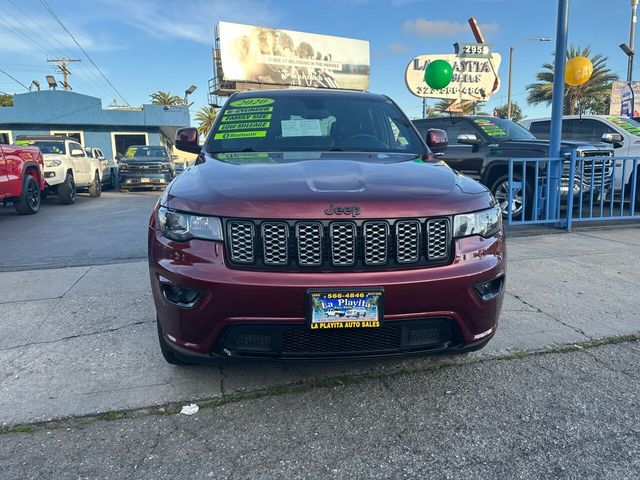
330, 245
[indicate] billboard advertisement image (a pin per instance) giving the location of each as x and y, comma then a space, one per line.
270, 56
624, 99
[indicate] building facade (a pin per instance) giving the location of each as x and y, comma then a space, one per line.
113, 130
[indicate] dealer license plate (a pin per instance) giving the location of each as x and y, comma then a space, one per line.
329, 309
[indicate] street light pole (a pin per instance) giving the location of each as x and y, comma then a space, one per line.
632, 36
511, 49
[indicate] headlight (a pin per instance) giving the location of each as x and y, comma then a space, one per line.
182, 226
484, 223
52, 163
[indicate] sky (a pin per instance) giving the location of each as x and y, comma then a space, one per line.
142, 46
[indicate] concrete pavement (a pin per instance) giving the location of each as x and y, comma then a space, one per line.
551, 416
81, 340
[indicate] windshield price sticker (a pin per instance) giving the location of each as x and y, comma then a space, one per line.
301, 128
490, 128
245, 118
252, 102
330, 310
237, 135
243, 126
244, 111
628, 126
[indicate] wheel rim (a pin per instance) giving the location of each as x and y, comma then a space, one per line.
33, 195
98, 185
72, 188
502, 196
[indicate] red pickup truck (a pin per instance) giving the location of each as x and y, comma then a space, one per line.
21, 177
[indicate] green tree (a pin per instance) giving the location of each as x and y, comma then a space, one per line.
516, 112
205, 118
591, 97
165, 98
6, 100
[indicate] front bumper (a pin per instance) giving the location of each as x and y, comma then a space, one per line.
268, 309
54, 175
128, 179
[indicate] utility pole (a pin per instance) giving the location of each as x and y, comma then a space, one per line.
62, 66
424, 107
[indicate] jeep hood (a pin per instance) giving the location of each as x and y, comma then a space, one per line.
303, 185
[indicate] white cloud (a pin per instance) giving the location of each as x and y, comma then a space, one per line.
442, 28
193, 20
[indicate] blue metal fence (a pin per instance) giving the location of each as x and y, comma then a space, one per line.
590, 188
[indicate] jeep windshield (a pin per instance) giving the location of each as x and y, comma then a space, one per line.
501, 130
320, 123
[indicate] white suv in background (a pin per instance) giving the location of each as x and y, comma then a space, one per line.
621, 132
67, 167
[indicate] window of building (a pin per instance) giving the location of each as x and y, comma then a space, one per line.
77, 136
6, 137
121, 141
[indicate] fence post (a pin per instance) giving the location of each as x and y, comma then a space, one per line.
572, 179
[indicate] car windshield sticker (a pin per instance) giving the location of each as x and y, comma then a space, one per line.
490, 128
301, 128
243, 126
245, 110
625, 125
23, 143
236, 135
252, 102
246, 118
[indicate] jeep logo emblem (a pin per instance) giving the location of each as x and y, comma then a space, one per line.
335, 210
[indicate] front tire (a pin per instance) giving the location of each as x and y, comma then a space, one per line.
95, 190
29, 201
67, 191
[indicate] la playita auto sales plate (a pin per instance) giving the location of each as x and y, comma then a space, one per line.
330, 309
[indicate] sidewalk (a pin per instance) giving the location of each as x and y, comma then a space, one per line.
82, 340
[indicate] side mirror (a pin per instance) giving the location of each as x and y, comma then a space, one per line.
614, 139
187, 140
76, 152
469, 139
437, 141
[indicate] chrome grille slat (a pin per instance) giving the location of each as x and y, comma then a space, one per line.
241, 238
309, 240
375, 242
275, 243
343, 243
408, 241
437, 239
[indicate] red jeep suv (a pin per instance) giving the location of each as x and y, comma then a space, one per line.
319, 224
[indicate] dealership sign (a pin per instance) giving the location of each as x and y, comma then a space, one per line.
250, 55
475, 74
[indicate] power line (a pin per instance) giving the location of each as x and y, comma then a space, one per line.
15, 80
53, 14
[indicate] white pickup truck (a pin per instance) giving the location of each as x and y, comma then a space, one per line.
67, 167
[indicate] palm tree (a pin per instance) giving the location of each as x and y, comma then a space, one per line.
165, 98
466, 107
205, 117
591, 97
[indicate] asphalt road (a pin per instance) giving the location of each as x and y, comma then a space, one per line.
92, 231
556, 415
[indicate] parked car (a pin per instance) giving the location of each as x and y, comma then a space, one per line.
145, 166
357, 312
481, 146
21, 178
621, 132
333, 193
67, 168
109, 167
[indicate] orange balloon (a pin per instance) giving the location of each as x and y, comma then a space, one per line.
578, 71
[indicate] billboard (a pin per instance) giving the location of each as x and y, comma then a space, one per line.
625, 99
475, 77
284, 58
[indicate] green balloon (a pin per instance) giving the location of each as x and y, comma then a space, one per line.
438, 74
